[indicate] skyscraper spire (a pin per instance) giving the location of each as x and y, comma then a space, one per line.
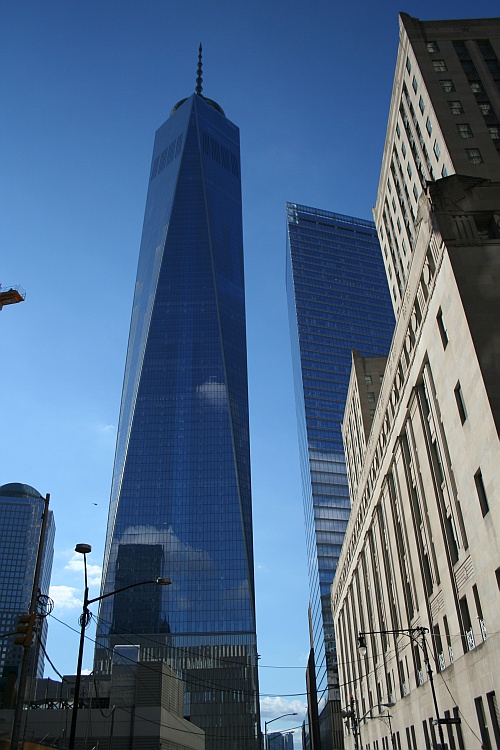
199, 77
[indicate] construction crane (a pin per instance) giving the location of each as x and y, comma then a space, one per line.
9, 295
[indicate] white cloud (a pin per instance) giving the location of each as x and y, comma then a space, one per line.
174, 548
272, 707
65, 597
213, 393
75, 565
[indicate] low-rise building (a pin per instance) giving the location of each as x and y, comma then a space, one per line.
138, 707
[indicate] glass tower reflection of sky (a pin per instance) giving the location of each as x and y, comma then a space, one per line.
181, 498
338, 301
21, 511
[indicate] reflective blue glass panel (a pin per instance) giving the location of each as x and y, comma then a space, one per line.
21, 515
338, 300
181, 498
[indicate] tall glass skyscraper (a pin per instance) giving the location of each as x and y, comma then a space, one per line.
21, 511
181, 499
338, 301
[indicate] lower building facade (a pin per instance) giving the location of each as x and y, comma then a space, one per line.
418, 579
138, 706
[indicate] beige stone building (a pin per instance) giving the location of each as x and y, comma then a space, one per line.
443, 118
422, 545
419, 572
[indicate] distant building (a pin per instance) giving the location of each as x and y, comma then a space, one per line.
338, 301
21, 510
275, 741
138, 705
280, 741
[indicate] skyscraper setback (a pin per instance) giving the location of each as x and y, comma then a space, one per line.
338, 301
181, 497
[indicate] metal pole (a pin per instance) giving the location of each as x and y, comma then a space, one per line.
431, 680
23, 677
83, 624
355, 724
393, 739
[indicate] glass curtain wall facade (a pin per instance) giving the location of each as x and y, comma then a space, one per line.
181, 498
338, 300
21, 511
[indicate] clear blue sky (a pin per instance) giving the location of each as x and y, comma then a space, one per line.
84, 86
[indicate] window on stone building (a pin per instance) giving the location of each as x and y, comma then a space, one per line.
459, 397
483, 724
481, 492
494, 715
442, 328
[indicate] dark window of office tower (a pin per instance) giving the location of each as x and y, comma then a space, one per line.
456, 108
432, 47
465, 130
447, 85
486, 109
439, 66
486, 49
481, 492
474, 155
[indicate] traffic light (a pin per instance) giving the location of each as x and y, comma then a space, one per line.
25, 629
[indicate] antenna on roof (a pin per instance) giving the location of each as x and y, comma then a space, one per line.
199, 77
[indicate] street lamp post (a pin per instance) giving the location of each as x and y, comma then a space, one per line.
414, 634
85, 617
351, 713
266, 744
